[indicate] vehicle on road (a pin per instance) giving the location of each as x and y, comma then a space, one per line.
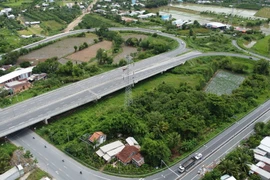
190, 162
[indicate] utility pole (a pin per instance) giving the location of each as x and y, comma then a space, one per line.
129, 82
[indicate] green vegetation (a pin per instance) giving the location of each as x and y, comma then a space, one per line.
9, 38
224, 83
264, 12
95, 21
236, 20
236, 162
37, 174
16, 4
170, 115
52, 21
262, 46
215, 42
6, 150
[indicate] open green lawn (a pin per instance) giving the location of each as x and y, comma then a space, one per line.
37, 174
53, 25
264, 12
15, 3
262, 46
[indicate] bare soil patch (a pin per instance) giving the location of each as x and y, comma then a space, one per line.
127, 50
249, 45
90, 52
58, 49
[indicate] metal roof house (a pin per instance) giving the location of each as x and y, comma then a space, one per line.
17, 75
109, 151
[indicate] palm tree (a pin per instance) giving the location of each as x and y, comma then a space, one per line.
228, 167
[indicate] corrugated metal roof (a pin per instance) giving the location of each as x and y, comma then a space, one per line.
15, 73
111, 146
260, 171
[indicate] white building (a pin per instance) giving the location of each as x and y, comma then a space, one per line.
17, 75
265, 144
109, 151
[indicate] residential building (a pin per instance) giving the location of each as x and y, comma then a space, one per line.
265, 145
265, 175
130, 154
216, 25
97, 138
18, 75
18, 86
227, 177
109, 151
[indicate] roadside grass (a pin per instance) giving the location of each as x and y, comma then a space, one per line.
264, 12
37, 174
262, 46
6, 150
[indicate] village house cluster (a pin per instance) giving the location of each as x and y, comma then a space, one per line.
125, 153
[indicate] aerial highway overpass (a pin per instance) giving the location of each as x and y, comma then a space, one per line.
55, 102
47, 105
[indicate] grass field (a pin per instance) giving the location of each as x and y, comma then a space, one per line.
224, 83
15, 3
37, 174
264, 12
53, 25
261, 46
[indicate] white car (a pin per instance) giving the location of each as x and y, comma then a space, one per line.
198, 156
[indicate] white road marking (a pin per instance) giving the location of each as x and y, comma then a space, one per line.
46, 159
56, 172
21, 123
65, 167
34, 149
11, 127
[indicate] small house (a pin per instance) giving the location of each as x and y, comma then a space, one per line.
130, 154
97, 138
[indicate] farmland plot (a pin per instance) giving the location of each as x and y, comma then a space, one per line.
224, 83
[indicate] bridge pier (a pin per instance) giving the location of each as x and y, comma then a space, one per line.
46, 121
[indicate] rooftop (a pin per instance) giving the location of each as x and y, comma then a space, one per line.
131, 141
95, 136
260, 171
127, 153
111, 146
15, 73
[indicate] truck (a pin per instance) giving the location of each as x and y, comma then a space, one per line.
190, 162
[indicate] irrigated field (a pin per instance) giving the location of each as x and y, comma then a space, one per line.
224, 83
58, 49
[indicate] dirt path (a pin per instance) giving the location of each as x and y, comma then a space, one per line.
79, 19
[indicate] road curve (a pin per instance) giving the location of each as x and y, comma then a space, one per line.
234, 43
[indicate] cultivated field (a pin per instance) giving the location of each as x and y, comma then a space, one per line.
224, 83
127, 50
58, 49
130, 35
90, 52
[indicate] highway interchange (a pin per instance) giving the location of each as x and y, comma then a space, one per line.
47, 105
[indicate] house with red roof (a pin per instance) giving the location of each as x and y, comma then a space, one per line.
130, 154
97, 138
